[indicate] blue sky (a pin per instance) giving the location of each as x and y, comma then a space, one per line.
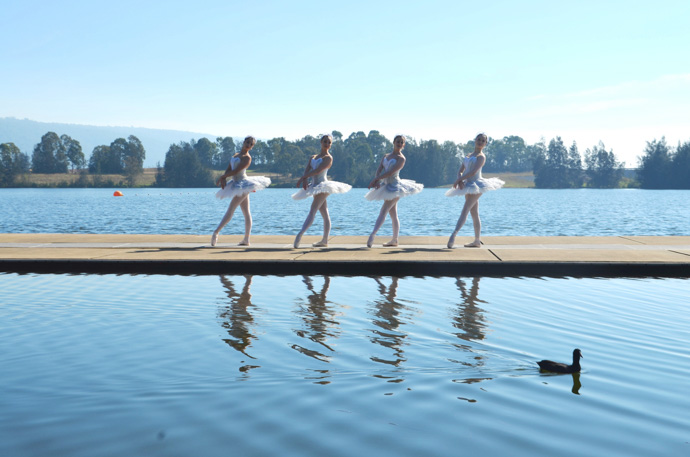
615, 71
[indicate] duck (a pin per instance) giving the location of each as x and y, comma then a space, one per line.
556, 367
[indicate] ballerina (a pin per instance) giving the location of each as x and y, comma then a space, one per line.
388, 186
471, 184
320, 188
238, 189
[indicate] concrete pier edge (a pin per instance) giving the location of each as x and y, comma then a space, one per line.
184, 254
346, 268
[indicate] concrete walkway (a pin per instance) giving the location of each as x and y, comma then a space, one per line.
346, 255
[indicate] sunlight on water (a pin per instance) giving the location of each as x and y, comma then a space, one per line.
266, 365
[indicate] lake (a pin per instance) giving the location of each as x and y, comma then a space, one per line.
506, 212
148, 365
155, 365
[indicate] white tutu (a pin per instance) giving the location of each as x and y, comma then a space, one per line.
478, 186
324, 187
244, 186
396, 189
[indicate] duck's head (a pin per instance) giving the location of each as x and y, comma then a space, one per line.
577, 354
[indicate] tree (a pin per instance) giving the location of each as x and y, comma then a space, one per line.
553, 174
133, 159
118, 151
537, 154
356, 164
680, 167
226, 146
655, 166
430, 163
517, 154
379, 144
603, 170
207, 152
49, 155
261, 154
337, 151
183, 168
103, 162
275, 147
121, 157
292, 159
574, 173
12, 163
75, 155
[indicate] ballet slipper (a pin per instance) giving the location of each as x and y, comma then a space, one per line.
474, 244
243, 243
451, 242
391, 244
214, 239
321, 244
370, 241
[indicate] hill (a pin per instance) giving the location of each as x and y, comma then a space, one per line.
26, 134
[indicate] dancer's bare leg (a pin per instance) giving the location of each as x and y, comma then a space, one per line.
470, 201
244, 206
323, 209
395, 222
319, 200
234, 203
385, 209
477, 223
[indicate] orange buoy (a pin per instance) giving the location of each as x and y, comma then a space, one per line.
117, 193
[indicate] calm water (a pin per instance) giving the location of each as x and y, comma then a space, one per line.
525, 212
314, 366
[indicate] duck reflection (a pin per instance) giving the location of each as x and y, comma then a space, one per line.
576, 383
388, 319
319, 319
237, 318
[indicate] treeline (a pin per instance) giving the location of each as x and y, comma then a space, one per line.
58, 154
434, 164
558, 167
660, 166
664, 167
356, 158
192, 164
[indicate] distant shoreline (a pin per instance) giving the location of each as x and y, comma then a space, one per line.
80, 179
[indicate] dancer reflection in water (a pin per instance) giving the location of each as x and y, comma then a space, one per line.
319, 320
470, 322
388, 186
471, 184
314, 183
388, 320
237, 317
238, 189
470, 318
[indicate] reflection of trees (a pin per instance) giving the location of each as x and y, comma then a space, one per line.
237, 318
388, 313
319, 320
